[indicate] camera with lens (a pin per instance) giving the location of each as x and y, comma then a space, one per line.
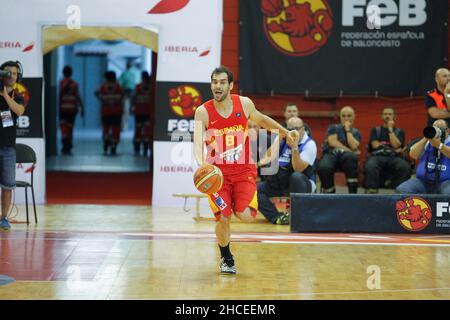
434, 133
3, 75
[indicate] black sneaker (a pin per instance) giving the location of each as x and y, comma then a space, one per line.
282, 219
146, 149
105, 147
137, 148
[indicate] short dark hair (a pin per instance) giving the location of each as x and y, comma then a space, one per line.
223, 69
9, 64
145, 75
110, 75
392, 108
67, 71
290, 105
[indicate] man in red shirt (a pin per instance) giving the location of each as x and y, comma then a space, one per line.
111, 95
222, 124
143, 107
69, 105
437, 101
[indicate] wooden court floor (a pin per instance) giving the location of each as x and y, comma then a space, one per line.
132, 252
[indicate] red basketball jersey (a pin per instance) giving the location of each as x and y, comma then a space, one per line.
227, 142
112, 99
144, 100
68, 96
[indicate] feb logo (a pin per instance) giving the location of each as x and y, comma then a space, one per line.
184, 100
297, 27
22, 90
413, 213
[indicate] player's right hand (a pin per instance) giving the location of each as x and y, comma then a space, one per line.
292, 137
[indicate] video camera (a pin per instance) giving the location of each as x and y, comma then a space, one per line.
434, 133
4, 74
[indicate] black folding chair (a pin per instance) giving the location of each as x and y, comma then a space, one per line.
26, 154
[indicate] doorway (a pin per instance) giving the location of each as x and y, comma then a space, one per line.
91, 51
90, 55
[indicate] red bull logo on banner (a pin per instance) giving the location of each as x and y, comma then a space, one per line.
297, 27
413, 213
184, 100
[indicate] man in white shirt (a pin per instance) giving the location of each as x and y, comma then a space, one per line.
295, 172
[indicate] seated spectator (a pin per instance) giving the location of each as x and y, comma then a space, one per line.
291, 110
433, 170
386, 161
340, 152
295, 171
437, 101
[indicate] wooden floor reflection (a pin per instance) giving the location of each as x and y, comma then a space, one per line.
129, 252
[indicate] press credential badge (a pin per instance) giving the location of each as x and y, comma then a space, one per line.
7, 119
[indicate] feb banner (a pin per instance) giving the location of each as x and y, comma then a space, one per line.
345, 47
355, 213
176, 104
29, 125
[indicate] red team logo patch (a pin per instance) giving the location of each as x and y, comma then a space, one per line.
413, 213
297, 27
184, 100
219, 201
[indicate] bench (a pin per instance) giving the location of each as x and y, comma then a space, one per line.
197, 198
280, 202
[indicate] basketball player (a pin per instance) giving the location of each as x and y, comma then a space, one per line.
69, 105
222, 124
110, 94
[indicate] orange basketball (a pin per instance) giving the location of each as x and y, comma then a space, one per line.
208, 179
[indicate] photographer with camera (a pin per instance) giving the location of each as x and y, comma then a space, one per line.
433, 171
386, 161
11, 107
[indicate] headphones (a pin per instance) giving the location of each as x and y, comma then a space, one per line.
16, 64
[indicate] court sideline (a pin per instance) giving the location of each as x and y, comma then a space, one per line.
136, 252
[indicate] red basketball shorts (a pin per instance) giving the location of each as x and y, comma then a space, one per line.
237, 194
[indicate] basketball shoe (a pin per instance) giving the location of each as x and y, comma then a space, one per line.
4, 224
227, 266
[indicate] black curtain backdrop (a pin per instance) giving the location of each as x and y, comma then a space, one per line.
335, 48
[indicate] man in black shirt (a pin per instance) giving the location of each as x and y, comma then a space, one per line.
341, 152
11, 107
386, 161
